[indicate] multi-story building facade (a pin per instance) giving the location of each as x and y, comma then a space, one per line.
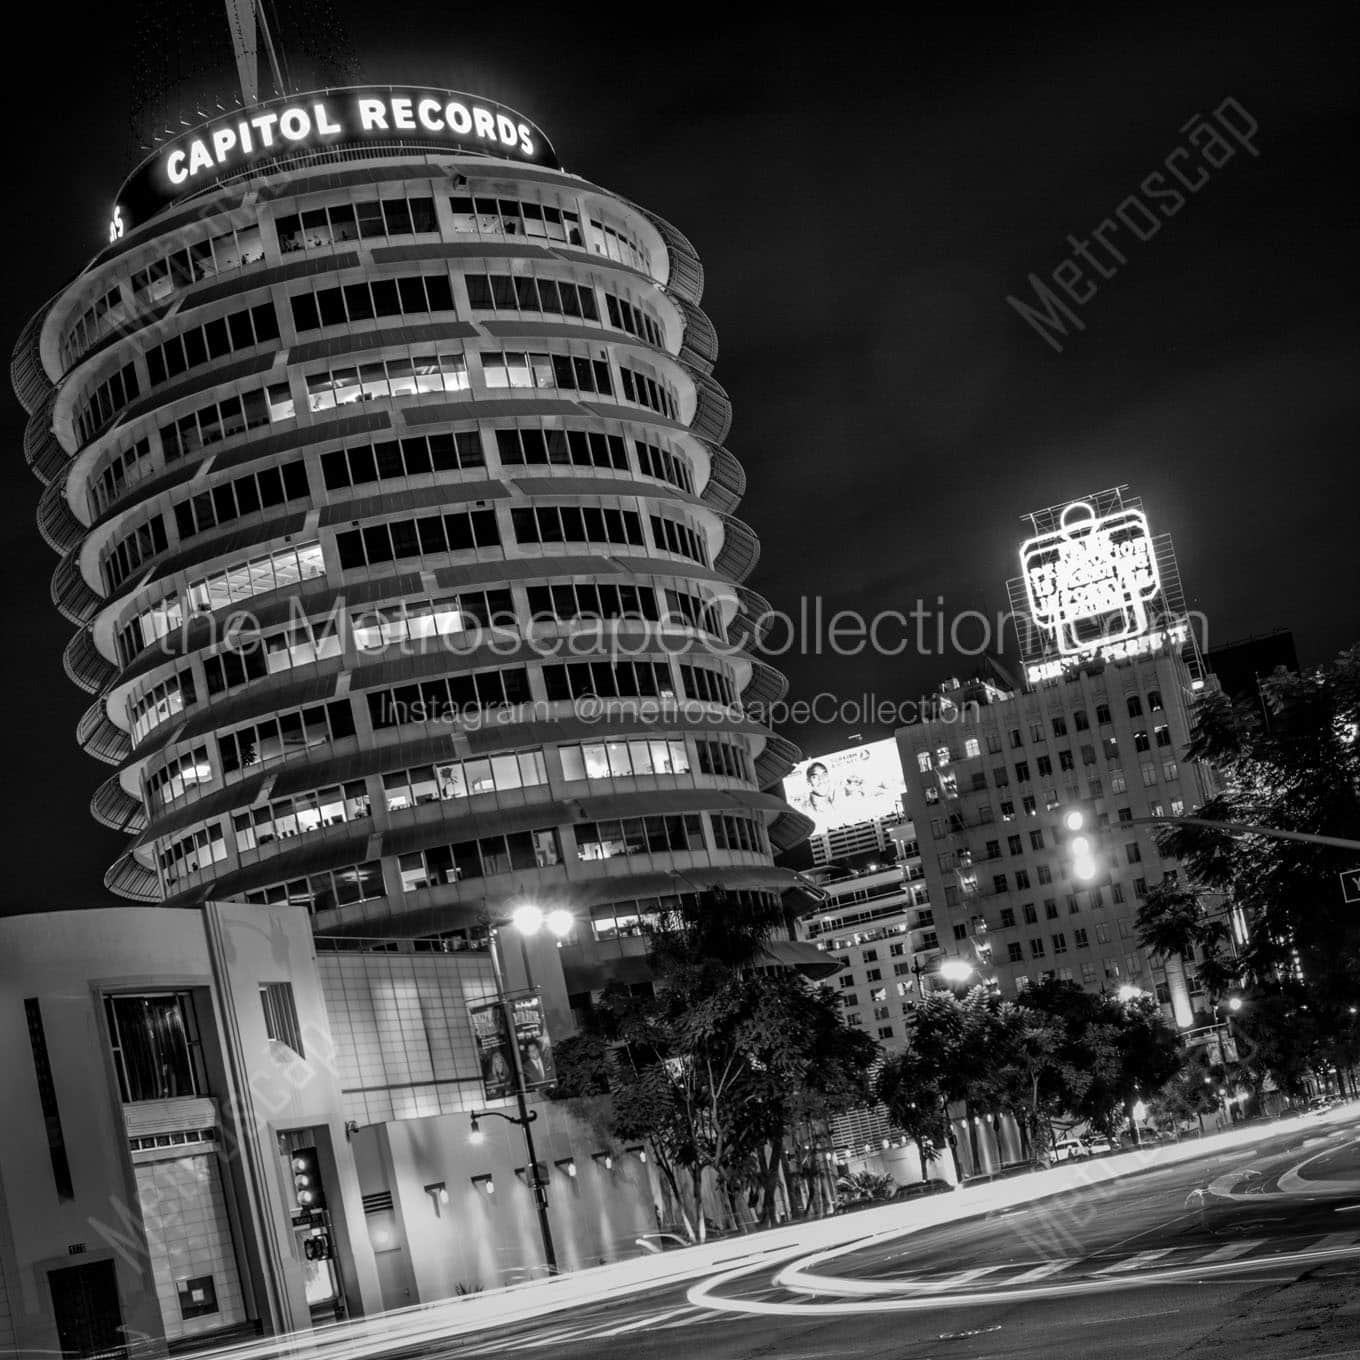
1102, 724
386, 469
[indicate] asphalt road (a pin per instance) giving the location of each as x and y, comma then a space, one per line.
1268, 1265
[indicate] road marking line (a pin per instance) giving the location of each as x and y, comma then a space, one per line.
1230, 1252
1040, 1272
650, 1320
1333, 1240
1135, 1262
954, 1281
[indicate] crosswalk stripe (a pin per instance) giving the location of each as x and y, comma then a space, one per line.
1041, 1272
1135, 1262
1332, 1240
1230, 1252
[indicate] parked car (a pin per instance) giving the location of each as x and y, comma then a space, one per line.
1069, 1149
1096, 1143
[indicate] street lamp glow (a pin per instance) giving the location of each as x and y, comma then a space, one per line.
560, 922
1074, 820
955, 970
1234, 1003
475, 1134
1140, 1111
1084, 870
528, 919
1080, 847
1128, 991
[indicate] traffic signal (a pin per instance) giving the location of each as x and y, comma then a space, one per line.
307, 1191
1077, 833
317, 1248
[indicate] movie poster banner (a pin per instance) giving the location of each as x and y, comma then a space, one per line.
531, 1039
493, 1049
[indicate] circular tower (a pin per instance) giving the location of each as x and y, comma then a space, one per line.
386, 470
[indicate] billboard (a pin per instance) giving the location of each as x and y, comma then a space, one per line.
1090, 581
859, 784
491, 1034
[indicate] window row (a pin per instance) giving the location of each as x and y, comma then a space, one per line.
734, 832
178, 776
411, 620
125, 469
323, 891
192, 853
446, 699
221, 254
414, 456
624, 759
644, 390
608, 680
524, 293
301, 814
721, 757
531, 447
638, 915
403, 377
253, 656
624, 316
678, 537
577, 524
101, 316
430, 535
212, 340
159, 704
257, 576
463, 778
665, 466
481, 858
512, 217
640, 836
141, 545
285, 734
409, 295
567, 372
225, 419
566, 603
710, 686
255, 491
317, 228
115, 392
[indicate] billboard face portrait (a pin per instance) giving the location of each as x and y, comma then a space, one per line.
860, 784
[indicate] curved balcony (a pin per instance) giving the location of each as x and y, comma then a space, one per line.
26, 373
72, 594
699, 349
99, 736
776, 760
85, 665
133, 881
44, 452
114, 807
726, 481
766, 688
686, 280
740, 550
752, 622
790, 828
712, 409
56, 522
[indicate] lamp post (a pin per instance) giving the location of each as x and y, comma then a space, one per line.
1127, 993
526, 920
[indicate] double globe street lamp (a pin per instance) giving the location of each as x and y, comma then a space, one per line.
526, 921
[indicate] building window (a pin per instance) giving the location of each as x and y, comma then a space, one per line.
47, 1099
1154, 701
1080, 939
1014, 952
280, 1015
999, 883
1044, 766
960, 931
1132, 852
1103, 715
923, 762
1060, 943
1007, 917
1118, 782
156, 1047
1022, 878
1045, 874
1036, 948
1116, 893
994, 742
1030, 804
1051, 908
1022, 772
1031, 913
1017, 741
1059, 727
1170, 770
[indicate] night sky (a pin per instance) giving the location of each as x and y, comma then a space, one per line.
864, 199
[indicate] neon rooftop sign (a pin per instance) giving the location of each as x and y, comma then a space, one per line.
1089, 582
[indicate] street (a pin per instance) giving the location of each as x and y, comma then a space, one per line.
1138, 1267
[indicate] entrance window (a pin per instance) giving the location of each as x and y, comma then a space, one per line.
156, 1047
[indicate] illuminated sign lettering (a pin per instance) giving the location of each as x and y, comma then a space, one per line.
435, 119
1090, 581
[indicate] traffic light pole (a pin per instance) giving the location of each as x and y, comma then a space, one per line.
1247, 829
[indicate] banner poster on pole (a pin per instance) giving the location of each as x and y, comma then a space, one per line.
531, 1039
493, 1049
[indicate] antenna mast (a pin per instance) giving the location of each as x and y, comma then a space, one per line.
246, 19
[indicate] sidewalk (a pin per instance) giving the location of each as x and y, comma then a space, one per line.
533, 1299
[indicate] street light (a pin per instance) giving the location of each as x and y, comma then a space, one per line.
527, 920
955, 970
1079, 846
